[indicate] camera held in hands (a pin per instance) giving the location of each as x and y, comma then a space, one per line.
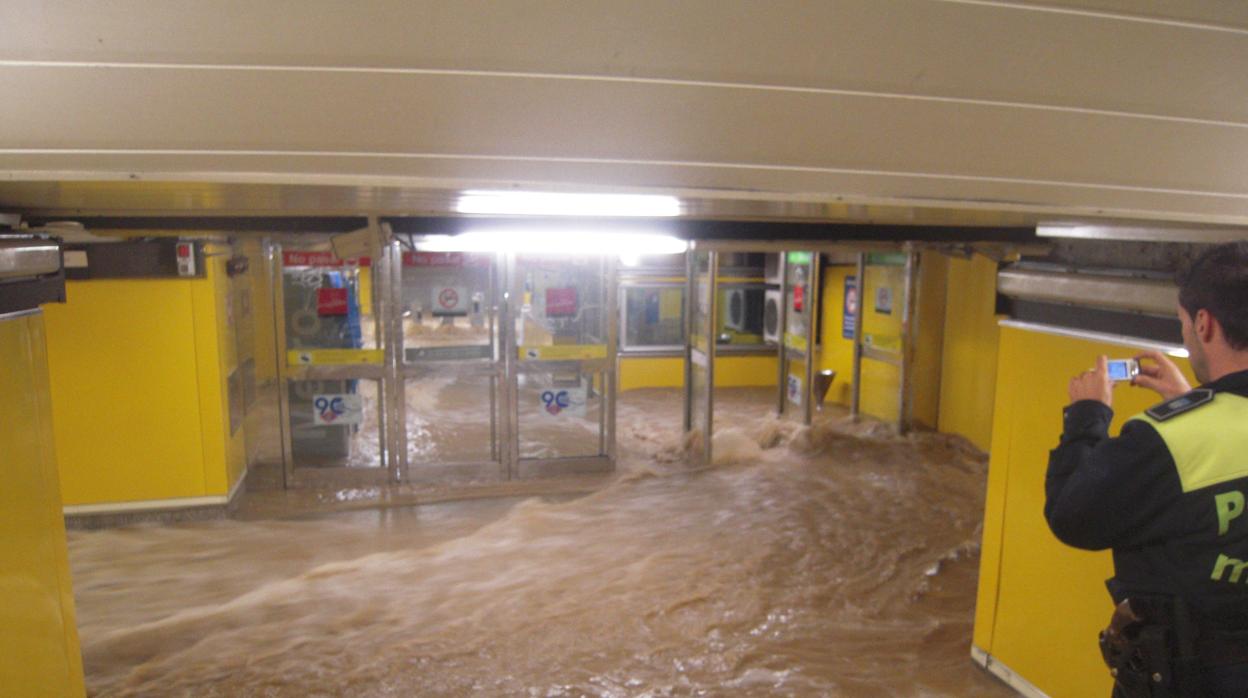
1123, 369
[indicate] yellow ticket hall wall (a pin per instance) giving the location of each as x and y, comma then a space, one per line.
1040, 603
139, 372
39, 653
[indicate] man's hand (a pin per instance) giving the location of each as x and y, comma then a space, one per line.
1094, 384
1161, 375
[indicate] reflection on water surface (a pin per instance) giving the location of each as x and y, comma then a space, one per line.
834, 561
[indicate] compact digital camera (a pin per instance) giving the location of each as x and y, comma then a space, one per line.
1123, 369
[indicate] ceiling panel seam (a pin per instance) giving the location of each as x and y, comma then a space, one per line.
666, 82
655, 163
1101, 14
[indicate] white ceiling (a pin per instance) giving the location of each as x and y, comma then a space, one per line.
1060, 109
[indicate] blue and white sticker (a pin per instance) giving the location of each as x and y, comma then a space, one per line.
795, 390
561, 402
333, 410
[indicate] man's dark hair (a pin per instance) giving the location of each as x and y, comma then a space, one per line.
1218, 282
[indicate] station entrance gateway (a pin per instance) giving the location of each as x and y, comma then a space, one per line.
420, 366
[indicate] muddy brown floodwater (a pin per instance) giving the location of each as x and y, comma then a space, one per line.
835, 561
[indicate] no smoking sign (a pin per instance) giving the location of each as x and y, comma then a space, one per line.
450, 300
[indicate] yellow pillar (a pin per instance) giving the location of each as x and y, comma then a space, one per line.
39, 654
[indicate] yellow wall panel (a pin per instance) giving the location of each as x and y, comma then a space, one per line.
140, 371
969, 367
669, 372
745, 371
1032, 586
836, 352
125, 391
39, 652
657, 372
929, 335
224, 454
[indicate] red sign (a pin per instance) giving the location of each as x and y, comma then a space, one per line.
444, 259
331, 301
799, 296
295, 258
561, 302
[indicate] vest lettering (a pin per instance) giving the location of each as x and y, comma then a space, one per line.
1229, 505
1237, 568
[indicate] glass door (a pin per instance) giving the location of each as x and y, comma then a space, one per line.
700, 354
561, 364
332, 367
451, 368
798, 346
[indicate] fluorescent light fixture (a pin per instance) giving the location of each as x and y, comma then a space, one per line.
533, 203
555, 242
1178, 353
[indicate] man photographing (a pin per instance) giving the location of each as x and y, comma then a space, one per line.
1169, 495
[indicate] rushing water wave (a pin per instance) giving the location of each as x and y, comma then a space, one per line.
838, 560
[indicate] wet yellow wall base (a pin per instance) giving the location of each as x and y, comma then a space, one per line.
969, 365
1040, 603
39, 652
139, 372
669, 372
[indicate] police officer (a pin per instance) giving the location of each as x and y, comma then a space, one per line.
1168, 496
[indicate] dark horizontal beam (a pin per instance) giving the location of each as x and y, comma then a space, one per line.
689, 229
231, 224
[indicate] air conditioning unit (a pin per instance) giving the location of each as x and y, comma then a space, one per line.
773, 268
773, 305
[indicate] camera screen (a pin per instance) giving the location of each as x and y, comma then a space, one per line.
1118, 370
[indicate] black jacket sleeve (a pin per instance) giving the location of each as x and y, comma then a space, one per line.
1102, 492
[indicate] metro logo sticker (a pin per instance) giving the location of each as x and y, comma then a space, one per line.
333, 410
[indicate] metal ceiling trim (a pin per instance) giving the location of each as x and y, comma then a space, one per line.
1114, 293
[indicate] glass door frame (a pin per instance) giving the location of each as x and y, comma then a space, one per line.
494, 368
801, 348
519, 467
387, 471
393, 371
704, 292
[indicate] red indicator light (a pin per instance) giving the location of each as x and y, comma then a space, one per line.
184, 250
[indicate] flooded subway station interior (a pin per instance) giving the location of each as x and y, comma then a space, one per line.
441, 349
450, 490
727, 467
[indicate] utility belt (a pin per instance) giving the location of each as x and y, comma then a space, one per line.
1154, 649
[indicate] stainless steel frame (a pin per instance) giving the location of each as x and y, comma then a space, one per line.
295, 476
855, 403
493, 368
909, 332
782, 369
28, 257
1097, 291
693, 355
812, 322
622, 299
811, 310
605, 369
503, 369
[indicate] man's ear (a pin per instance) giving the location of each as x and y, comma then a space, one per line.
1205, 326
